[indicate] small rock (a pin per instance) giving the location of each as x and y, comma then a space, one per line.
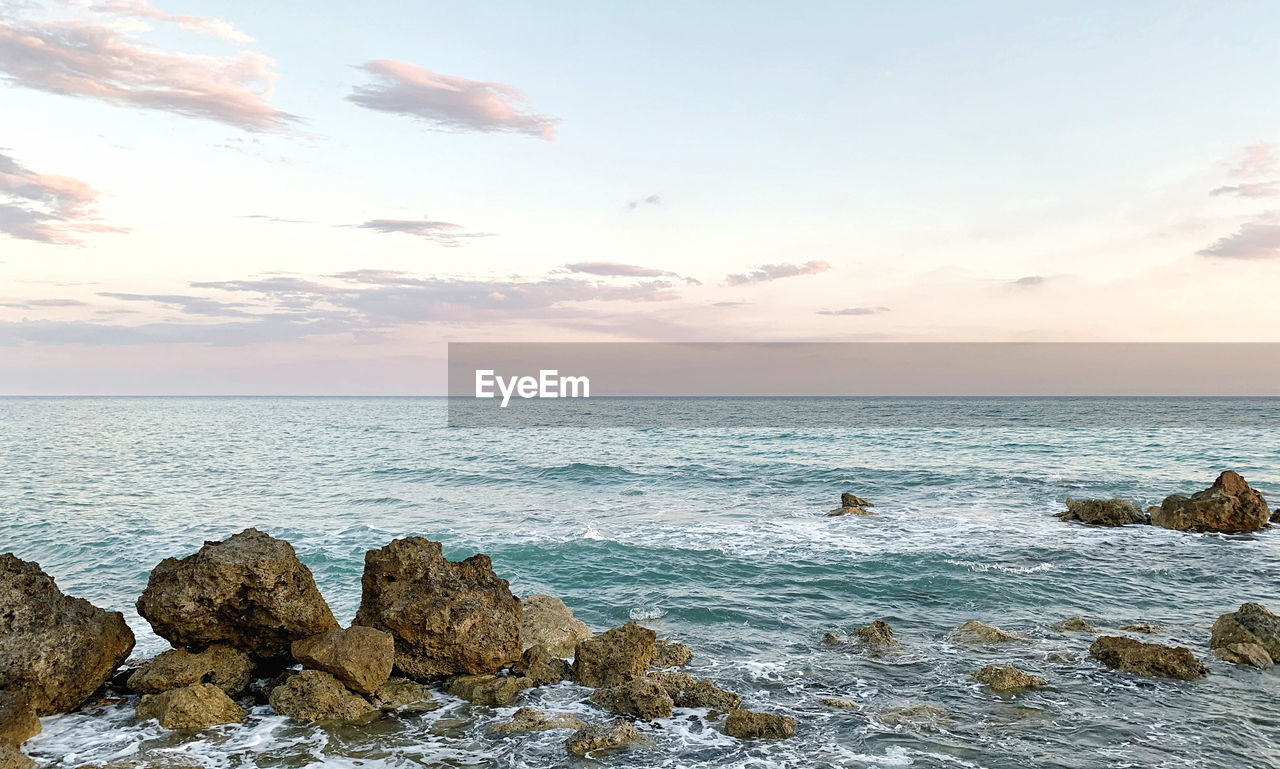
1074, 625
924, 716
198, 706
1146, 659
316, 696
360, 657
854, 510
1104, 512
225, 667
877, 635
836, 702
404, 695
541, 667
614, 657
643, 698
12, 758
1229, 506
1251, 624
685, 692
1144, 627
608, 736
853, 500
1007, 678
670, 654
1058, 658
533, 720
18, 720
1253, 655
748, 724
975, 632
492, 691
831, 639
547, 622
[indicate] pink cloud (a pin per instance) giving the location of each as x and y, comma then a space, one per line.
1258, 239
1258, 160
615, 269
444, 233
205, 25
767, 272
45, 207
1249, 190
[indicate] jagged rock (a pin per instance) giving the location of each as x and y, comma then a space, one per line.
547, 622
249, 591
831, 639
837, 702
748, 724
878, 635
1146, 659
541, 667
313, 695
493, 691
12, 758
225, 667
849, 511
607, 736
1229, 506
1253, 624
18, 721
1058, 658
614, 657
852, 500
446, 617
1103, 512
55, 648
533, 720
975, 632
1253, 655
404, 695
924, 716
1144, 627
643, 698
360, 657
1275, 516
1007, 678
670, 654
685, 692
1074, 625
198, 706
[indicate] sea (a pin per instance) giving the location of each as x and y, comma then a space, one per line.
713, 535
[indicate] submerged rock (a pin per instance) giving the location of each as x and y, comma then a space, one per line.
533, 720
922, 715
198, 706
446, 617
541, 667
18, 721
614, 657
607, 736
748, 724
490, 690
55, 648
686, 692
1074, 625
405, 695
12, 758
315, 696
670, 654
643, 698
1253, 625
249, 591
1147, 659
838, 702
1103, 512
1007, 678
1144, 627
547, 622
225, 667
360, 657
975, 632
1229, 506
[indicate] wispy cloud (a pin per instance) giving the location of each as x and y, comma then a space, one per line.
649, 200
205, 25
274, 219
616, 269
767, 272
1030, 281
190, 305
855, 311
1255, 240
1249, 190
444, 233
448, 102
46, 207
1257, 160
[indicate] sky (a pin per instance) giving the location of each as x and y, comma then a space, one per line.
294, 197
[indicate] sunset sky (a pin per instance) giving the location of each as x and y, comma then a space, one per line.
307, 197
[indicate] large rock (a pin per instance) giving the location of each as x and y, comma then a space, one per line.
541, 667
1146, 659
533, 720
360, 657
614, 657
12, 758
975, 632
643, 698
446, 617
490, 690
609, 736
547, 622
1103, 512
18, 721
249, 591
55, 648
225, 667
685, 692
402, 694
1252, 626
1007, 678
877, 636
670, 654
1229, 506
1253, 655
747, 724
192, 707
313, 695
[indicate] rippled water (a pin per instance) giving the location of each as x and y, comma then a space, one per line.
714, 537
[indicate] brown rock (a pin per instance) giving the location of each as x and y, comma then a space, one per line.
685, 692
852, 500
1104, 512
12, 758
614, 657
1146, 659
314, 696
1007, 678
849, 510
1144, 627
55, 648
225, 667
18, 721
1229, 506
842, 704
924, 716
541, 667
607, 736
1253, 655
404, 695
1074, 625
198, 706
249, 591
490, 690
360, 657
975, 632
532, 720
878, 635
1251, 624
446, 617
747, 724
643, 698
670, 654
547, 622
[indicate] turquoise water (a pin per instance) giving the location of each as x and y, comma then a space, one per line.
713, 537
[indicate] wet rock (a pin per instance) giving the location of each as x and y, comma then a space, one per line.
1058, 658
924, 716
1144, 627
541, 667
225, 667
12, 758
1253, 655
853, 500
404, 695
685, 692
1007, 678
975, 632
18, 721
1275, 516
849, 510
533, 720
1103, 512
198, 706
315, 696
1252, 624
547, 622
831, 639
837, 702
360, 657
55, 648
748, 724
670, 654
608, 736
643, 698
1229, 506
878, 635
490, 690
1147, 659
249, 591
1074, 625
446, 617
614, 657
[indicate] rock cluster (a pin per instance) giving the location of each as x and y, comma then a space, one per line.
1249, 636
1229, 506
1103, 512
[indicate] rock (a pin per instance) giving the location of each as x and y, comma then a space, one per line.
748, 724
670, 654
404, 695
852, 500
360, 657
1146, 659
614, 657
1058, 658
1144, 627
877, 635
1252, 624
925, 716
533, 720
643, 698
1074, 625
1103, 512
1253, 655
1007, 678
493, 691
608, 736
225, 667
685, 692
249, 591
1275, 516
313, 695
975, 632
12, 758
547, 622
849, 510
837, 702
541, 667
446, 617
198, 706
55, 648
831, 639
1229, 506
18, 721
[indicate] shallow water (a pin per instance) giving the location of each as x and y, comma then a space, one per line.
713, 537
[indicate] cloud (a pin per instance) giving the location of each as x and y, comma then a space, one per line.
1257, 160
651, 200
730, 304
44, 207
444, 233
204, 25
1030, 281
767, 272
855, 311
102, 61
274, 219
448, 102
190, 305
616, 269
1249, 190
28, 304
1259, 239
